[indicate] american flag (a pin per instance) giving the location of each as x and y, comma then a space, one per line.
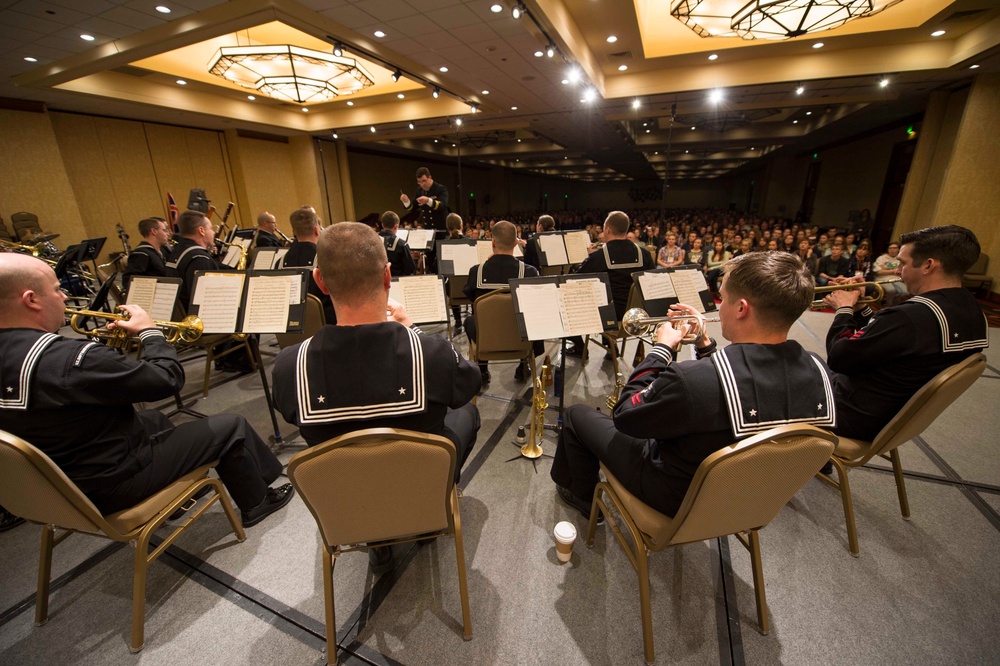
172, 211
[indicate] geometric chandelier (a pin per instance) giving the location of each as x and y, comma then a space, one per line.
771, 19
290, 73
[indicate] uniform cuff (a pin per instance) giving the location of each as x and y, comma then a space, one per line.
663, 352
707, 350
147, 333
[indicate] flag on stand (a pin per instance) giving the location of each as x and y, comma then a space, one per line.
172, 211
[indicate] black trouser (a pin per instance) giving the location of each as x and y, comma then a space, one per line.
461, 427
246, 466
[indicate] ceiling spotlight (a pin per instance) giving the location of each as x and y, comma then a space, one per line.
687, 151
181, 82
496, 9
692, 129
647, 131
338, 49
350, 103
442, 69
589, 95
411, 125
715, 96
163, 9
396, 75
622, 68
818, 45
458, 122
636, 103
335, 136
550, 50
474, 108
883, 83
30, 59
435, 140
379, 34
519, 141
800, 89
809, 113
539, 53
518, 11
436, 93
372, 129
714, 56
513, 108
251, 97
612, 39
795, 122
565, 82
937, 33
87, 38
486, 92
400, 96
970, 66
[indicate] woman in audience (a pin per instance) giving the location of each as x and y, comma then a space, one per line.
861, 264
696, 255
671, 254
713, 265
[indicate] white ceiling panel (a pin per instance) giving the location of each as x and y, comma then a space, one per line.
48, 11
134, 19
389, 10
452, 17
89, 7
350, 16
415, 27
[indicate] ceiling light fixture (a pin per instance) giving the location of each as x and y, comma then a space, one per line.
622, 68
612, 39
884, 82
970, 66
715, 96
799, 89
550, 50
442, 69
589, 95
411, 125
937, 33
305, 110
350, 103
338, 49
496, 9
474, 108
517, 11
372, 129
539, 53
809, 113
396, 75
335, 136
771, 19
636, 104
486, 92
436, 93
30, 59
290, 73
818, 45
163, 9
513, 108
181, 82
714, 56
458, 122
87, 38
379, 34
400, 95
251, 97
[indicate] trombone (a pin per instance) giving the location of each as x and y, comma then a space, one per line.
188, 329
637, 322
876, 297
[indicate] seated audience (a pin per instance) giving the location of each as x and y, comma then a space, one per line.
836, 265
670, 255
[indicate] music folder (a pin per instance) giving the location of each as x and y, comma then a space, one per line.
457, 256
156, 295
662, 287
422, 296
561, 306
268, 258
251, 301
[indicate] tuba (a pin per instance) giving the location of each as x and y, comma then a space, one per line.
187, 330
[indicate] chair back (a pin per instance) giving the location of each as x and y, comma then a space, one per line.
497, 335
928, 403
25, 225
4, 234
376, 484
456, 295
745, 485
314, 320
981, 264
34, 488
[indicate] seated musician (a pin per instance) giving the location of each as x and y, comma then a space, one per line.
454, 224
267, 230
671, 415
372, 370
150, 256
881, 359
395, 247
306, 227
531, 248
72, 398
494, 273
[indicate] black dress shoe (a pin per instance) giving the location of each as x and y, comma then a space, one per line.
575, 350
8, 520
519, 373
380, 559
827, 469
583, 506
485, 374
274, 499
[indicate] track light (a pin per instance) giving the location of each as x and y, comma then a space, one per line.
800, 89
474, 108
518, 11
396, 75
338, 49
437, 92
550, 50
458, 122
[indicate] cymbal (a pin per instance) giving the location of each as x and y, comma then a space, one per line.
42, 238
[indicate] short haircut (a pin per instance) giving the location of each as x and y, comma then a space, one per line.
453, 223
423, 171
955, 247
149, 225
18, 273
351, 258
618, 222
189, 221
776, 283
264, 217
548, 224
505, 235
389, 219
303, 220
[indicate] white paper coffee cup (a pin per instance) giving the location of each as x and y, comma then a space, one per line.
565, 534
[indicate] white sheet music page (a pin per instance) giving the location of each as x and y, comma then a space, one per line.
484, 250
463, 256
518, 252
554, 248
141, 292
217, 296
417, 239
576, 246
163, 301
689, 283
539, 305
266, 310
422, 296
655, 286
578, 305
263, 260
232, 256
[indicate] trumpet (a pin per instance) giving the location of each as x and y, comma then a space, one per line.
188, 329
876, 297
33, 250
637, 322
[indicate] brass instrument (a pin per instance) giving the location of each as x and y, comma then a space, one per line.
187, 330
613, 398
533, 447
876, 297
242, 263
637, 322
33, 250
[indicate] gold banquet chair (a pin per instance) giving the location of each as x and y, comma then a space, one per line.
919, 412
315, 319
497, 335
379, 486
34, 488
738, 489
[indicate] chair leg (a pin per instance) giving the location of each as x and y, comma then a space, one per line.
897, 471
758, 581
845, 494
595, 508
642, 569
227, 506
44, 575
463, 585
329, 562
209, 357
139, 591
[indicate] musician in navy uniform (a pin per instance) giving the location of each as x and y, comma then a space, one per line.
72, 398
431, 199
882, 358
531, 248
495, 273
395, 247
672, 415
306, 227
372, 370
267, 228
149, 258
191, 253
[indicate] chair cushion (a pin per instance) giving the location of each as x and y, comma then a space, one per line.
140, 514
851, 449
653, 524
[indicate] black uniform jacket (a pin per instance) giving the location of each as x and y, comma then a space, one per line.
691, 409
399, 254
267, 239
73, 400
619, 259
371, 376
186, 258
432, 215
301, 254
495, 273
144, 260
882, 359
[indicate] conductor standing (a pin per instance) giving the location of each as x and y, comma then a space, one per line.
431, 200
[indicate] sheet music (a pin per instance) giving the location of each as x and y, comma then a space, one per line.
295, 290
402, 234
539, 305
484, 249
655, 286
688, 283
422, 296
578, 305
576, 246
263, 260
156, 298
462, 255
417, 239
267, 304
232, 257
217, 296
553, 248
141, 292
518, 252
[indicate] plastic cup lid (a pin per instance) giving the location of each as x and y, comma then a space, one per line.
565, 531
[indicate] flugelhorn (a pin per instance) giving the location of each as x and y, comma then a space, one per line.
876, 297
188, 329
637, 322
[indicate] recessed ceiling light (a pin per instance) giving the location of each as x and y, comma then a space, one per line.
795, 122
251, 97
486, 92
612, 39
181, 82
372, 129
30, 59
622, 68
647, 131
636, 103
692, 129
539, 53
970, 66
496, 9
714, 56
937, 33
379, 34
589, 95
513, 108
519, 141
883, 83
565, 82
163, 9
435, 140
400, 95
442, 69
687, 151
335, 136
458, 121
305, 110
350, 103
87, 38
809, 113
818, 45
715, 96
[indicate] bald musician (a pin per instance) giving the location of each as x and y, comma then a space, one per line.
882, 358
72, 398
267, 230
672, 415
